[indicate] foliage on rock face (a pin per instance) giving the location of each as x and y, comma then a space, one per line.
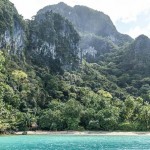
53, 40
129, 67
8, 14
2, 60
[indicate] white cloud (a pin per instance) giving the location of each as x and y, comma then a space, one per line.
136, 31
124, 10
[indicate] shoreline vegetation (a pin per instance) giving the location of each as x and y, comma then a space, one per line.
84, 133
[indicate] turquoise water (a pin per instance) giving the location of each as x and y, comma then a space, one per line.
69, 142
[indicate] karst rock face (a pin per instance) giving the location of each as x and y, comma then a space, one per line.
48, 39
53, 41
97, 32
12, 29
59, 36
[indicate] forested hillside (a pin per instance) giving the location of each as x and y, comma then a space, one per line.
46, 84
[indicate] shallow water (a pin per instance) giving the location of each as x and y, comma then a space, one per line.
70, 142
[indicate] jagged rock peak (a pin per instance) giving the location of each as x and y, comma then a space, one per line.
142, 43
142, 37
89, 21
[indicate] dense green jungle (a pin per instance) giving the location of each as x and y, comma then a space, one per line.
58, 73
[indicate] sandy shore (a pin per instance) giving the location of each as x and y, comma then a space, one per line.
82, 133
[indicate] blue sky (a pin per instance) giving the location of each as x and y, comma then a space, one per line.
129, 16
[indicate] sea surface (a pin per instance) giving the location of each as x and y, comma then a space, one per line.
74, 142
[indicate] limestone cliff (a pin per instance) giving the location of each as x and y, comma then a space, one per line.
91, 25
12, 29
53, 42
